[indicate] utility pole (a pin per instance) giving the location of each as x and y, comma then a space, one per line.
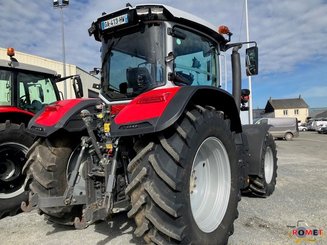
61, 5
249, 77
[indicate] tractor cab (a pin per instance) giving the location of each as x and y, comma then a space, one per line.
153, 46
26, 87
30, 88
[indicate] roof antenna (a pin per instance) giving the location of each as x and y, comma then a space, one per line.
129, 5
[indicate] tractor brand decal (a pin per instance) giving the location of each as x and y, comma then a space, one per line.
302, 233
117, 21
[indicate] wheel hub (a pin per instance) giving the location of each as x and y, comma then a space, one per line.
210, 184
269, 165
7, 170
12, 157
193, 182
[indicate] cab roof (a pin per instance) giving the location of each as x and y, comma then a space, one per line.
26, 67
168, 14
177, 13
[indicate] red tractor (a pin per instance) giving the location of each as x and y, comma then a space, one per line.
24, 90
165, 143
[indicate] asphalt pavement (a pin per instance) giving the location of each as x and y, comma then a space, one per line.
301, 194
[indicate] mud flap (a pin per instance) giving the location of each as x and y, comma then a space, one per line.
255, 136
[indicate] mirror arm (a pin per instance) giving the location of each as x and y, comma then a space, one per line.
232, 45
64, 78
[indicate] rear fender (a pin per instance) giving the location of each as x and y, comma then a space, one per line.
15, 115
255, 137
64, 114
158, 109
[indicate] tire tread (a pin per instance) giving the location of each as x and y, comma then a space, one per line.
156, 173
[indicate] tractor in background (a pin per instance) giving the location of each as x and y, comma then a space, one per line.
24, 90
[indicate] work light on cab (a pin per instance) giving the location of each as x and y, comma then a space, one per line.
10, 52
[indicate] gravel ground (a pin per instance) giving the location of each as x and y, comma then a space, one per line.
301, 194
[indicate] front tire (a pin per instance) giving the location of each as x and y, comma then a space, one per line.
264, 186
14, 144
289, 136
47, 172
184, 183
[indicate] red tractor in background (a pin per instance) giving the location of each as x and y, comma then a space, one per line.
165, 144
24, 90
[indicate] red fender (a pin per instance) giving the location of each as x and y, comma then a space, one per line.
146, 106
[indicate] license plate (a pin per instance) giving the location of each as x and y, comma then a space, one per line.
117, 21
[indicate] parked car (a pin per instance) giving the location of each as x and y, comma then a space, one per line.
303, 127
319, 124
322, 130
310, 125
282, 127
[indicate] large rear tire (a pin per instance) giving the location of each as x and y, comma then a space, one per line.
47, 172
264, 186
14, 144
184, 183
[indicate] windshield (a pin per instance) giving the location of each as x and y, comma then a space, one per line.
35, 91
195, 58
133, 62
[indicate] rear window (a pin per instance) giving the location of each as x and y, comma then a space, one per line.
262, 121
5, 87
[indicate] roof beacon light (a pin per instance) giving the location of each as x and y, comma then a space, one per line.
223, 30
10, 52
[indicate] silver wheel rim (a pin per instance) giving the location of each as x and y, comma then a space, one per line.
210, 184
288, 136
269, 165
12, 159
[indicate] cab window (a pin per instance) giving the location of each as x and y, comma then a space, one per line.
262, 121
5, 87
195, 58
35, 91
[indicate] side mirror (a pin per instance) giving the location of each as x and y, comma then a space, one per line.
77, 86
251, 61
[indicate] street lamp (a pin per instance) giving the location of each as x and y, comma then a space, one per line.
62, 4
249, 77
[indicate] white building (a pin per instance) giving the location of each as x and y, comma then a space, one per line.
87, 79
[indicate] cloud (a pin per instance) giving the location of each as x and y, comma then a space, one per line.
311, 92
290, 34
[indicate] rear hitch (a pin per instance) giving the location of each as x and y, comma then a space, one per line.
80, 224
31, 204
98, 205
68, 195
88, 120
101, 208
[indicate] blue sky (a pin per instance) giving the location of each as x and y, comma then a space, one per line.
291, 34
